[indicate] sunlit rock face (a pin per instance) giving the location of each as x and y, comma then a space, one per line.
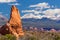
14, 25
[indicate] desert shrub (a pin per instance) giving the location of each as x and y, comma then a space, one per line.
32, 38
7, 37
57, 37
28, 38
40, 35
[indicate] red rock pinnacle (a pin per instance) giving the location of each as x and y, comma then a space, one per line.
14, 25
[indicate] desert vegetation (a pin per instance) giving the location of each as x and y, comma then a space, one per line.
34, 35
7, 37
40, 35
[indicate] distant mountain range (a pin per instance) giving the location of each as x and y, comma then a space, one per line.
3, 20
41, 23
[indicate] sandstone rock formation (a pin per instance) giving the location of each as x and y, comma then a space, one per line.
14, 25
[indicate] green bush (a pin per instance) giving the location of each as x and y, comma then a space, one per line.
7, 37
57, 38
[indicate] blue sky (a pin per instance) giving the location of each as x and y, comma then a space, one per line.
32, 8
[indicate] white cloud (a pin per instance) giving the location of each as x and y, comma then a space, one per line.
14, 4
28, 11
40, 13
31, 16
31, 11
41, 5
50, 13
38, 7
6, 1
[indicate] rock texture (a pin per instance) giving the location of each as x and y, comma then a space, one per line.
14, 25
